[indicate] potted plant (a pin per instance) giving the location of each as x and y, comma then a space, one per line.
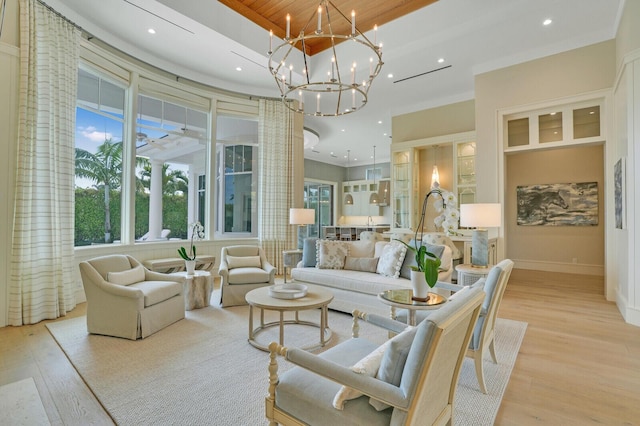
197, 232
424, 274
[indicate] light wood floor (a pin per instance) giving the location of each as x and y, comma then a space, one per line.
579, 362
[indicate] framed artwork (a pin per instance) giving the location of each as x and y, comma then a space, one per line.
619, 183
558, 204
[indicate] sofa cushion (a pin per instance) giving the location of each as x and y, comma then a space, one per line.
361, 248
331, 254
309, 252
243, 262
158, 291
130, 276
357, 281
364, 264
391, 259
410, 258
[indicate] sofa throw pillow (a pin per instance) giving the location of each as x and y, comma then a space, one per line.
391, 259
364, 264
410, 258
130, 276
243, 262
309, 252
393, 361
361, 249
331, 254
368, 366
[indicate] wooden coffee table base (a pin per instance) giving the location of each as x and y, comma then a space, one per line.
316, 298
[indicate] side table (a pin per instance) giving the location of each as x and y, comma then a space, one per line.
402, 299
469, 274
290, 259
197, 288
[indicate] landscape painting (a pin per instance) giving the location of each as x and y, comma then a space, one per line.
558, 204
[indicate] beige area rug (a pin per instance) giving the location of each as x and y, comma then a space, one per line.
20, 404
202, 370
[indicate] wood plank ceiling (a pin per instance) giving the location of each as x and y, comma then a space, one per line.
271, 15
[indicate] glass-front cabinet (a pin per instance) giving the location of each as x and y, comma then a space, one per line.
412, 166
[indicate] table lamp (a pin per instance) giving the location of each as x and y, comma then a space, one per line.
480, 216
302, 217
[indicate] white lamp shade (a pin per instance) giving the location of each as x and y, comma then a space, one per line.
302, 216
480, 215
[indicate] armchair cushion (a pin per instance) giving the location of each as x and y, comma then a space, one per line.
158, 291
243, 262
248, 276
127, 277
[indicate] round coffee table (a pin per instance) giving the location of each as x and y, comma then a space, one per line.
316, 297
402, 299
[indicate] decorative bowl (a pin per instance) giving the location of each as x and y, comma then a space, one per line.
288, 291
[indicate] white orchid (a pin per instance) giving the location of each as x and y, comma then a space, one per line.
447, 205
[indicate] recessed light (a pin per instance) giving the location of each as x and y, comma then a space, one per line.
547, 22
441, 60
238, 68
389, 75
151, 31
384, 134
343, 130
379, 121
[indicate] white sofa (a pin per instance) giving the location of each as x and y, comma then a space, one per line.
355, 289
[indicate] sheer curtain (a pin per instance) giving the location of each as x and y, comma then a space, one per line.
42, 260
281, 178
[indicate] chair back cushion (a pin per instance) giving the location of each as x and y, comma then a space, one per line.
241, 251
243, 262
127, 277
111, 263
433, 364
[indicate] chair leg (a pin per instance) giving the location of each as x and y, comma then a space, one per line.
477, 357
492, 350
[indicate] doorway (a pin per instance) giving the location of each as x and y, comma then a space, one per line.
319, 196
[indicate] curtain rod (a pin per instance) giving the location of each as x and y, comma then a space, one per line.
60, 15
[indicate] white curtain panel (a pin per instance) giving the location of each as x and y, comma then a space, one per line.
43, 276
276, 180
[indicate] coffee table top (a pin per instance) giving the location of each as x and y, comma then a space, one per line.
316, 297
402, 299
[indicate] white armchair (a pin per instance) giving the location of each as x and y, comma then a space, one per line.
125, 299
242, 269
411, 379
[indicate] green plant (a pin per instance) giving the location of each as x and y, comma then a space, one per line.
426, 262
197, 232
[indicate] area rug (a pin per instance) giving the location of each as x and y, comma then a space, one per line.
202, 370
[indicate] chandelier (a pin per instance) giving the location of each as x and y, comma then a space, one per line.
333, 87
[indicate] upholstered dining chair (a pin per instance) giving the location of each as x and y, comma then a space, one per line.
409, 380
242, 269
483, 338
125, 299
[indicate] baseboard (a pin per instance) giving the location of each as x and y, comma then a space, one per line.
570, 268
630, 314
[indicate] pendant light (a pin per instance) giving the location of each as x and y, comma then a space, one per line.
373, 198
348, 198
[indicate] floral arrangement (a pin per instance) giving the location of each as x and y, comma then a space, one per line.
197, 233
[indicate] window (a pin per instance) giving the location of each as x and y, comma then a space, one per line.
99, 143
236, 152
171, 154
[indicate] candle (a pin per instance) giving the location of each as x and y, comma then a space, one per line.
370, 66
353, 22
300, 100
375, 34
353, 98
319, 30
270, 41
290, 71
353, 74
288, 25
318, 103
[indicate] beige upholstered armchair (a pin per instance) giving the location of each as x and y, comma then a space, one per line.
242, 269
409, 380
125, 299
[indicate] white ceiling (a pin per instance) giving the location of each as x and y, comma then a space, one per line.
205, 41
